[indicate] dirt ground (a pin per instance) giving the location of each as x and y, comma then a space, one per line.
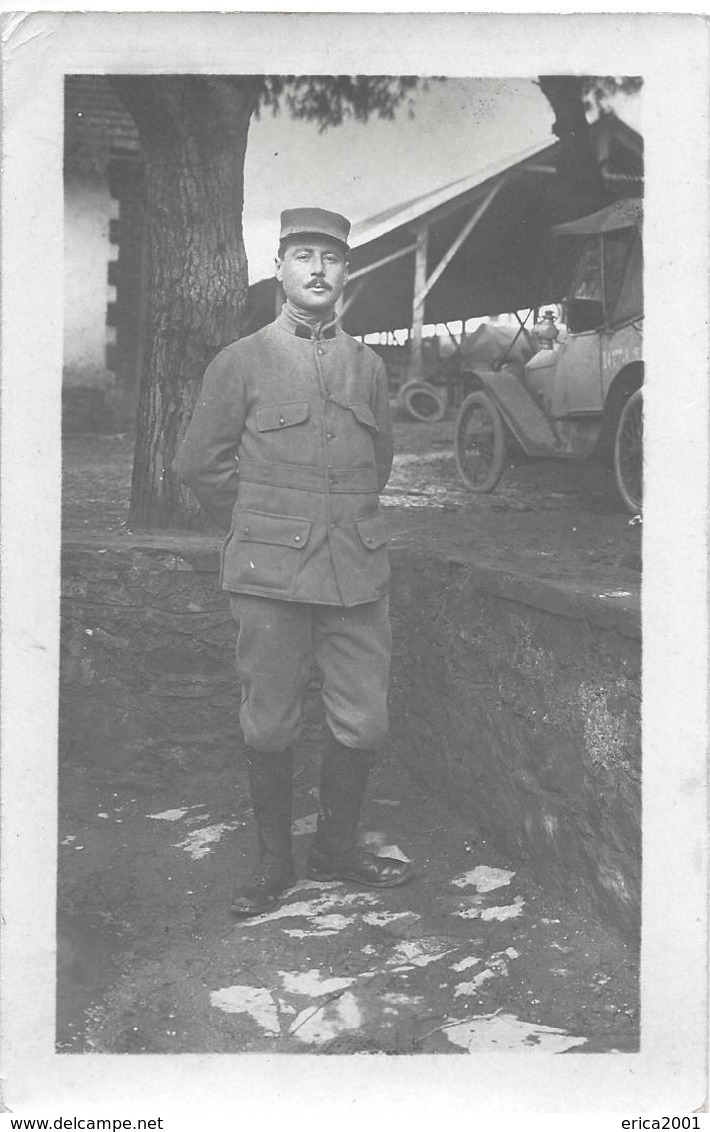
473, 955
552, 518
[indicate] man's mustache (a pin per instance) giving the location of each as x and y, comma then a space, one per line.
320, 283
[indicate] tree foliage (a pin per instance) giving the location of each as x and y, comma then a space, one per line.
572, 98
599, 92
577, 97
331, 99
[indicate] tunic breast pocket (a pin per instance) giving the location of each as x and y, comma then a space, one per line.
284, 433
272, 418
268, 549
364, 415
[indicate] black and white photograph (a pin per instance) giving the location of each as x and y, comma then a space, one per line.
367, 597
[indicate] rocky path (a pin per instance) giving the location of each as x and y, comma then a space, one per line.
471, 955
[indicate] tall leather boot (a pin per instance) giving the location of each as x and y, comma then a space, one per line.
336, 854
271, 789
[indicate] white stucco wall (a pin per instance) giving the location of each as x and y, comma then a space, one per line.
88, 208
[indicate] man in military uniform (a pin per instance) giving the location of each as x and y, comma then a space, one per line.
288, 448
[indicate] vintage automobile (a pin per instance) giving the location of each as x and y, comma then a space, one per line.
579, 397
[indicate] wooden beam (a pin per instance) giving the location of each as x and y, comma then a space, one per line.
416, 356
381, 262
463, 235
344, 303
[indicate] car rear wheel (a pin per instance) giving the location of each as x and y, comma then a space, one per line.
479, 442
628, 453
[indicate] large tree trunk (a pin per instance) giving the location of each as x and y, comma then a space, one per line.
577, 167
193, 131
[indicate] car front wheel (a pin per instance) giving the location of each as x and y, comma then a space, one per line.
479, 442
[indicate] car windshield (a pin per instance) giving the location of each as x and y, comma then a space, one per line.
588, 277
597, 292
585, 309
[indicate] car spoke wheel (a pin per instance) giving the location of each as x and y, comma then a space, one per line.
479, 443
628, 453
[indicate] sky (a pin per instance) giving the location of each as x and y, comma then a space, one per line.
361, 169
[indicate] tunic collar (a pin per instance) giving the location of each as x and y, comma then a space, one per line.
289, 322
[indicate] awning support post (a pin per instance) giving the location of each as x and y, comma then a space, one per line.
423, 291
423, 285
415, 370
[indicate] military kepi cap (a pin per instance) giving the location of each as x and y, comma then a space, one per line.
314, 222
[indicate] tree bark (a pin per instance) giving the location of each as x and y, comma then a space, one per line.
577, 167
193, 131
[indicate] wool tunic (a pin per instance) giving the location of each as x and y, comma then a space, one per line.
288, 448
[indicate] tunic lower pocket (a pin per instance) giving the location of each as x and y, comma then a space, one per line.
374, 536
372, 530
265, 550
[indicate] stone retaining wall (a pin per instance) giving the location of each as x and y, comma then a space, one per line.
522, 704
518, 700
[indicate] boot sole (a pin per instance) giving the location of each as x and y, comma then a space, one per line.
315, 873
243, 913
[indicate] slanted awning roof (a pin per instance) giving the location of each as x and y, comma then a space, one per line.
507, 261
400, 215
